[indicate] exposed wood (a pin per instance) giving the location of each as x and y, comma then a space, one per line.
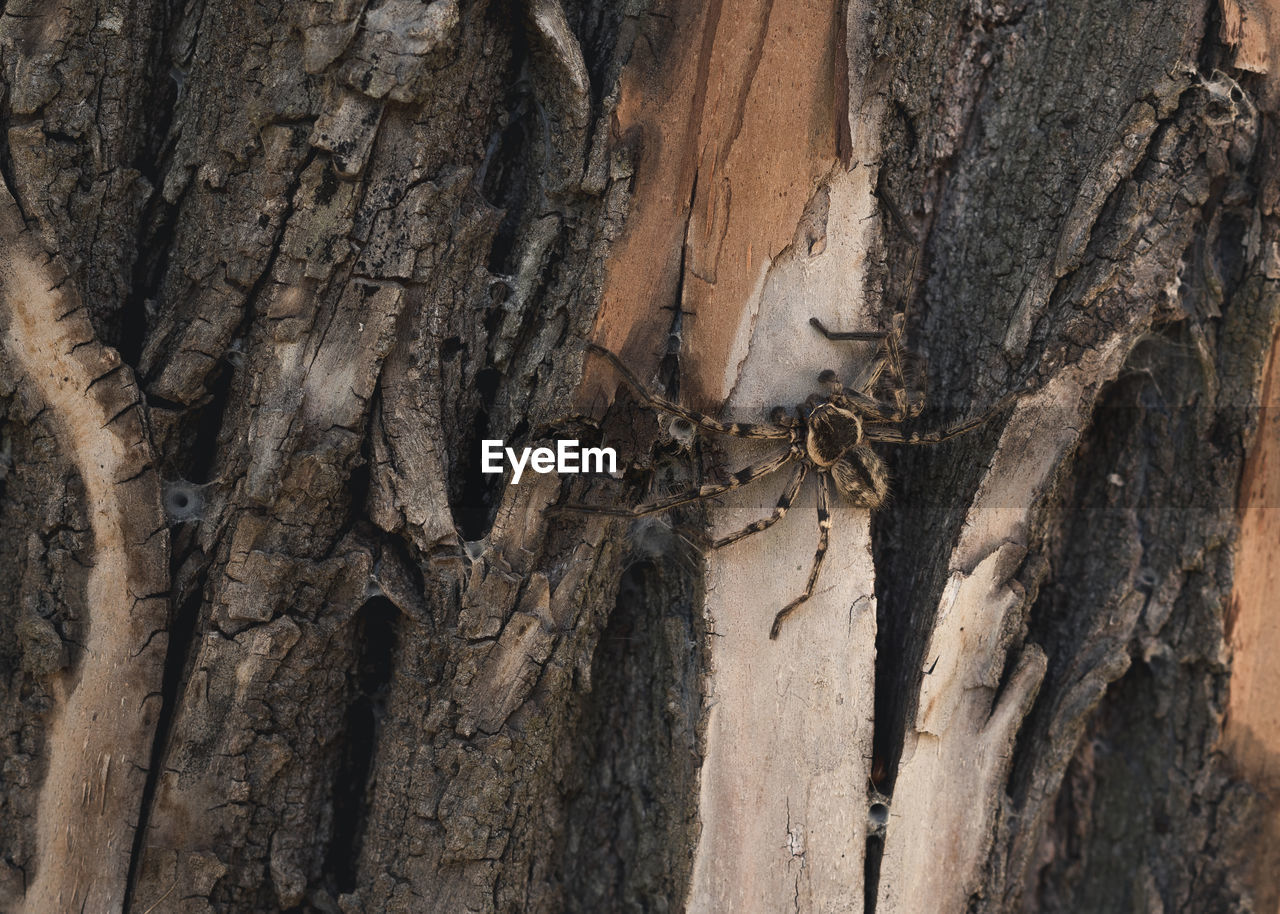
784, 806
93, 780
739, 131
1250, 29
736, 126
1252, 733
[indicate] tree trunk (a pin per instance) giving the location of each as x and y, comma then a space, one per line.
271, 638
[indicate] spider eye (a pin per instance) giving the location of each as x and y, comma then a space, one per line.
827, 377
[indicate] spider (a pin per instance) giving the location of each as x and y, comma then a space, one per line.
829, 434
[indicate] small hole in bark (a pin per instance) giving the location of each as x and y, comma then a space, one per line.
183, 501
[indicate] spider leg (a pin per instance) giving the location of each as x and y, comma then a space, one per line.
893, 436
737, 429
785, 501
866, 336
873, 410
889, 359
893, 354
740, 478
824, 531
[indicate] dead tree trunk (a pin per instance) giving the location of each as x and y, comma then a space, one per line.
271, 640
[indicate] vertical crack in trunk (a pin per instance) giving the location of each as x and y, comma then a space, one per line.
154, 232
182, 634
378, 638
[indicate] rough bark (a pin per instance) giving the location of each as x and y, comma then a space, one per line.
270, 272
1136, 254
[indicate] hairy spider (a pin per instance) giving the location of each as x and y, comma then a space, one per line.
829, 434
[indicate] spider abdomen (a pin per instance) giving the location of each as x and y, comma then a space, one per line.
861, 477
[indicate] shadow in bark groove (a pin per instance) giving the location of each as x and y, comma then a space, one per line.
507, 177
179, 653
156, 229
871, 879
208, 425
477, 493
633, 804
377, 636
911, 540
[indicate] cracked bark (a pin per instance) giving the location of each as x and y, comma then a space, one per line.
271, 640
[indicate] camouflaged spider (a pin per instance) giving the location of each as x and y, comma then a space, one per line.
830, 434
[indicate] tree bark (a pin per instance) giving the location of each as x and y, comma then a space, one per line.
272, 640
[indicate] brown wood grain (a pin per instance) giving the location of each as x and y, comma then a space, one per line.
735, 135
1252, 734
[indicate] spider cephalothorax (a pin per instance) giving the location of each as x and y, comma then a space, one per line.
831, 430
834, 443
830, 435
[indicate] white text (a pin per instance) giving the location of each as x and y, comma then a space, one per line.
567, 457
